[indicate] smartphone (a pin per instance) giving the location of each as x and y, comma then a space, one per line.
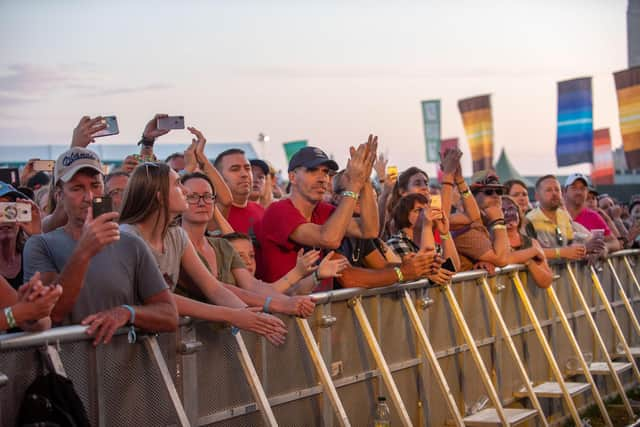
15, 212
44, 165
436, 202
101, 205
392, 170
598, 233
448, 265
10, 176
111, 129
171, 122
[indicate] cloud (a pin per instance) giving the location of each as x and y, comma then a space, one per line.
128, 90
9, 99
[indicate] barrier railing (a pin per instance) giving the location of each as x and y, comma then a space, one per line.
480, 351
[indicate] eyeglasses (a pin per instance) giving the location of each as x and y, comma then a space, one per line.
207, 198
559, 236
492, 191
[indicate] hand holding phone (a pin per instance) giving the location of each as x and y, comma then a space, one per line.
15, 212
44, 165
111, 123
448, 265
436, 202
101, 205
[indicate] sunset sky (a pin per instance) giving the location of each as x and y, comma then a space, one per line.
330, 72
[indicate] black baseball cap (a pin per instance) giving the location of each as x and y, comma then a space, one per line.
311, 157
261, 164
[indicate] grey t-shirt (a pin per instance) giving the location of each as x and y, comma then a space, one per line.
123, 272
175, 243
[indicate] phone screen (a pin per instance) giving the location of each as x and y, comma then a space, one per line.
111, 129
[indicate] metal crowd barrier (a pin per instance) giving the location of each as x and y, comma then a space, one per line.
480, 351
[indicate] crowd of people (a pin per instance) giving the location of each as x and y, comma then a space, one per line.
222, 241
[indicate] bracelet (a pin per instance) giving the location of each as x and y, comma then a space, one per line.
351, 194
466, 193
11, 321
557, 252
146, 142
132, 330
399, 274
499, 227
445, 236
446, 183
316, 278
265, 307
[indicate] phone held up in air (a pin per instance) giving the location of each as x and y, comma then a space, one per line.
15, 212
44, 165
170, 122
101, 205
111, 129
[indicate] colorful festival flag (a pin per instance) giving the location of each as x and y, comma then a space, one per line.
575, 122
478, 125
445, 145
431, 120
602, 171
291, 148
628, 89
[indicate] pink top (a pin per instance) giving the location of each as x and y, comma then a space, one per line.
591, 220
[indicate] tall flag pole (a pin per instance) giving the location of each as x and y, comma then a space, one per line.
602, 171
478, 125
291, 148
628, 90
575, 122
431, 120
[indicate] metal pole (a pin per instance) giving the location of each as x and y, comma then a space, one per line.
356, 304
625, 299
323, 373
432, 358
254, 382
512, 348
475, 353
524, 298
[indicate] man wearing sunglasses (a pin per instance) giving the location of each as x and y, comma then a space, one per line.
483, 241
552, 223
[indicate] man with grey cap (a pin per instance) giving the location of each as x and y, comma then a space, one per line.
110, 279
576, 188
304, 221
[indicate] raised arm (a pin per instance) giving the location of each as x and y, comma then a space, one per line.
223, 194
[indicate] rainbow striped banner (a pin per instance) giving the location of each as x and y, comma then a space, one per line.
575, 122
602, 171
478, 125
628, 90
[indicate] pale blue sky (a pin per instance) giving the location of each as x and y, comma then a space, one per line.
330, 72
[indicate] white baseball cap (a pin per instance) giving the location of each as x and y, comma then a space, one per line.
74, 159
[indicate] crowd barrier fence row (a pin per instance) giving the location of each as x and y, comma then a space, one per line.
480, 351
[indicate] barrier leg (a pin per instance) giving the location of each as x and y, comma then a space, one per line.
475, 353
512, 349
254, 382
153, 347
625, 299
631, 273
614, 321
524, 298
431, 357
551, 293
356, 304
323, 373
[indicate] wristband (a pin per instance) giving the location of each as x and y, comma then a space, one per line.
146, 142
445, 236
265, 307
446, 183
399, 274
132, 330
11, 321
498, 227
557, 252
351, 194
316, 278
466, 193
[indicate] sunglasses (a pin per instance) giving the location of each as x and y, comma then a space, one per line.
492, 191
559, 236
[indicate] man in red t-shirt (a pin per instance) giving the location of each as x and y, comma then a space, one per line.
243, 215
305, 221
576, 188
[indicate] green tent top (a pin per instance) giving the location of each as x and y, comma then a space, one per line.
506, 171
